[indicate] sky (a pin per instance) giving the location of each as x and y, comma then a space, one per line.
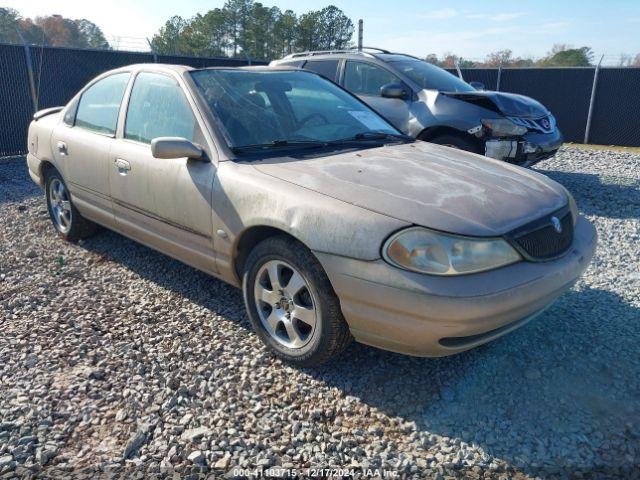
419, 27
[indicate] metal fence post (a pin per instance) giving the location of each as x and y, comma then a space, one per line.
592, 100
457, 63
32, 82
499, 77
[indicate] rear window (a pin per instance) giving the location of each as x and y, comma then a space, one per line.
326, 68
99, 105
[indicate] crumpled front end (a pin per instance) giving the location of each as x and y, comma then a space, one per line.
525, 151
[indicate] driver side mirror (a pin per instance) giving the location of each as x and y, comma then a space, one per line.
477, 85
394, 90
175, 147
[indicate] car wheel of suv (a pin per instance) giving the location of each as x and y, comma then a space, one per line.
291, 303
455, 141
64, 215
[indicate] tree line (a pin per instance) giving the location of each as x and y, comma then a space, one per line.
54, 30
561, 55
244, 28
251, 29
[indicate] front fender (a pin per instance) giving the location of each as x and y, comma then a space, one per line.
243, 198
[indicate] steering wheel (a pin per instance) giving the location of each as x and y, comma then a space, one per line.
312, 115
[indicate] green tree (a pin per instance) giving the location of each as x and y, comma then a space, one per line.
91, 34
336, 29
307, 35
251, 29
206, 34
284, 32
9, 24
170, 38
565, 56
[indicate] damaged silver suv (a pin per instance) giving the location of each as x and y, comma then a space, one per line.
431, 104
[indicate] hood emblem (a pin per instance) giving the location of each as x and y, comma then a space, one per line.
557, 226
546, 123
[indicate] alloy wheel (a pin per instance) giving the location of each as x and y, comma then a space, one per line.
60, 205
285, 304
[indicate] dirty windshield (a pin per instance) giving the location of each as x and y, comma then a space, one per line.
431, 77
280, 108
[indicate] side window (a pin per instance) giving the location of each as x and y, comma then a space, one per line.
366, 79
99, 104
158, 108
327, 68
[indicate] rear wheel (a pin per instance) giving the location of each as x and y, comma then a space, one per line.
456, 141
291, 303
64, 215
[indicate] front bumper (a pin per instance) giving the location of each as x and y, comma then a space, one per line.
425, 315
526, 150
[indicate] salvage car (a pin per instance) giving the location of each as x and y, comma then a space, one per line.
431, 104
334, 224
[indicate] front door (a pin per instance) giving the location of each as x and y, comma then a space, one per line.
365, 79
165, 203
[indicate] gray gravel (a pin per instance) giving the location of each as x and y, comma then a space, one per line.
114, 357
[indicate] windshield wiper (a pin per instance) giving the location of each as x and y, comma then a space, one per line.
280, 144
366, 136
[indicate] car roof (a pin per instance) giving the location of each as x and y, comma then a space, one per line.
166, 67
367, 52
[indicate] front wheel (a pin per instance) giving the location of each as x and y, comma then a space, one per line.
291, 303
64, 215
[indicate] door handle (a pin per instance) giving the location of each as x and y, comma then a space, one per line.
62, 148
122, 165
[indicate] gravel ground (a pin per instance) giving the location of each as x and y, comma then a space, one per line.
115, 358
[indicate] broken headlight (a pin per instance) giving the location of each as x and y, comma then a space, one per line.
425, 251
503, 127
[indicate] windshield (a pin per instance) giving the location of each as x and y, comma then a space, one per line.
285, 107
431, 77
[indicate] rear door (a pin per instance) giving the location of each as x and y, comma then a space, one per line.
365, 79
81, 144
165, 203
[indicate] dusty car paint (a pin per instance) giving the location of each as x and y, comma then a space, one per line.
343, 206
426, 184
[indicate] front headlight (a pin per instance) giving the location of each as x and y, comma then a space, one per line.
421, 250
573, 206
503, 127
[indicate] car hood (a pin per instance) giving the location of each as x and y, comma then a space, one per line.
429, 185
509, 104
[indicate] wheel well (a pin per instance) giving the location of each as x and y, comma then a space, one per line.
44, 168
430, 133
248, 240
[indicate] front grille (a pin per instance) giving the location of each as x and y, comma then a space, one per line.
540, 240
546, 124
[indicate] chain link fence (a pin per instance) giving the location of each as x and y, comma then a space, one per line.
56, 74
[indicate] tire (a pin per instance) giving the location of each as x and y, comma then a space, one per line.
64, 215
456, 141
277, 309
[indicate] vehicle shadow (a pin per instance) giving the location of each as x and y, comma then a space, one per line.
15, 183
595, 194
554, 396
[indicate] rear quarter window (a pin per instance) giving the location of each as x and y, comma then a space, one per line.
326, 68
